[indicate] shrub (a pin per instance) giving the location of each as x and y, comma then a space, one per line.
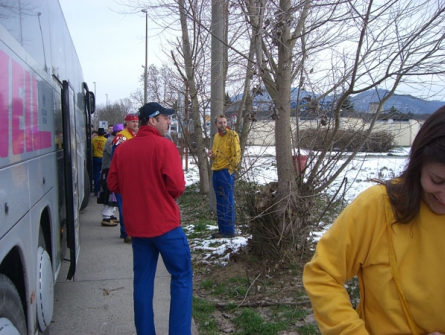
347, 140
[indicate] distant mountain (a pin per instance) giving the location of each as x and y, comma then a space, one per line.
403, 103
361, 101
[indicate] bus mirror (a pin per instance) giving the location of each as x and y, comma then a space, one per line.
92, 102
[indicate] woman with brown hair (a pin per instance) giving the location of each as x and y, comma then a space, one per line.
392, 237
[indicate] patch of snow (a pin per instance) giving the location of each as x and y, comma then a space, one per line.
262, 168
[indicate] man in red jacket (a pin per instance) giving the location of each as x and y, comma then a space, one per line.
147, 172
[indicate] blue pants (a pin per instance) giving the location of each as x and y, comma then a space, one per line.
121, 216
175, 252
97, 166
223, 184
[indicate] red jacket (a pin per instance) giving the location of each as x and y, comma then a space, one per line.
147, 172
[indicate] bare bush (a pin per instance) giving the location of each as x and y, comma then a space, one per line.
345, 140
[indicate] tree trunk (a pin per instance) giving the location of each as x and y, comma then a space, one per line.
197, 133
285, 212
217, 75
287, 190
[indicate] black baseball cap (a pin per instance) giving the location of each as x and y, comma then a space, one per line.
153, 109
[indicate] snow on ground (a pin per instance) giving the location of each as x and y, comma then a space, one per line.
262, 168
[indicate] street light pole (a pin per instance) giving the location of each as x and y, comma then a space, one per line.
146, 52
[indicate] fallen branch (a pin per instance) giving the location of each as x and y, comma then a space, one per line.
106, 291
264, 304
245, 296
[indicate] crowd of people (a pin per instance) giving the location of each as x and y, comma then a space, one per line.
103, 146
389, 236
225, 155
105, 197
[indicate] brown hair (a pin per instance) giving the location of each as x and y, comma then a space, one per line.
220, 116
405, 194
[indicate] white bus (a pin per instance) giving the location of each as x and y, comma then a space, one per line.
45, 160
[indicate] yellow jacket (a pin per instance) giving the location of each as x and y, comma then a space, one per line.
400, 269
122, 136
98, 144
226, 151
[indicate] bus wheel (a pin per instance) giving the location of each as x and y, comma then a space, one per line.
12, 316
45, 285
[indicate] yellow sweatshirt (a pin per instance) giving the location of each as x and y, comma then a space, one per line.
98, 144
363, 242
226, 151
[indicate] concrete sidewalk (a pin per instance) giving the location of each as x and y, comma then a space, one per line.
100, 299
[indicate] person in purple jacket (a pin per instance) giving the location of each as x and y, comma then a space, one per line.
147, 172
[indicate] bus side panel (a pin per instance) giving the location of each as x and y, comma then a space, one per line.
14, 197
26, 133
26, 183
43, 177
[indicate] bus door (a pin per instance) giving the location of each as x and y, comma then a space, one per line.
90, 104
71, 175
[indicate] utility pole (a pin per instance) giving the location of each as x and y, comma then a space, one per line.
146, 54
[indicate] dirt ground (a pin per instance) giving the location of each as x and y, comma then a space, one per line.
245, 281
259, 284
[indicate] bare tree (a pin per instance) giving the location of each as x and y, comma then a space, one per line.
188, 54
190, 59
163, 85
337, 48
305, 53
113, 113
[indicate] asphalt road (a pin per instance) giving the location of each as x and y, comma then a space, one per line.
100, 299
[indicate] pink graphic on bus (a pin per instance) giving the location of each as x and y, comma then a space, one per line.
23, 128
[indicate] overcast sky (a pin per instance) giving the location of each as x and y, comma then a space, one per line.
111, 49
110, 46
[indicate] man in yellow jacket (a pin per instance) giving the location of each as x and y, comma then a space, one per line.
98, 144
226, 155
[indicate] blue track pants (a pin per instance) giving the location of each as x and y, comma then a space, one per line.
223, 184
175, 252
